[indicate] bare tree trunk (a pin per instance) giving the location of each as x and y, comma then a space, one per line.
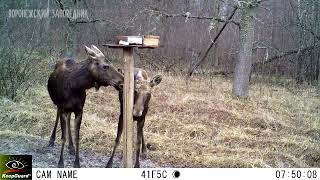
317, 29
70, 33
319, 74
244, 64
48, 20
299, 78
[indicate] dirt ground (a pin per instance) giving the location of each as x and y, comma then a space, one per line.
47, 157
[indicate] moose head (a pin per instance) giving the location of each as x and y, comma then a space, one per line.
101, 69
142, 93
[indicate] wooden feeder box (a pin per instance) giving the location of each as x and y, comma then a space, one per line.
150, 40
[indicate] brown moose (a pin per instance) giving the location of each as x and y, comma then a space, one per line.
67, 86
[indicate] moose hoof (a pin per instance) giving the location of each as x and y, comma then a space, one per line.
76, 165
60, 164
51, 144
137, 166
109, 164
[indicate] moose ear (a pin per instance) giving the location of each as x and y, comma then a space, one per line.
90, 52
155, 80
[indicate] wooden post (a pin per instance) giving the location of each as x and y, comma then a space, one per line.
150, 42
128, 106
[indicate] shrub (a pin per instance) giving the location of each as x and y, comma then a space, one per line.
18, 71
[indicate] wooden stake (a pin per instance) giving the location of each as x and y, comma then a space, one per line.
128, 100
128, 106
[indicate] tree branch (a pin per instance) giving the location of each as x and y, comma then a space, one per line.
101, 21
188, 16
62, 8
90, 21
197, 64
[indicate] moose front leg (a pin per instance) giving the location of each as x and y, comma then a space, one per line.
138, 143
63, 117
78, 119
144, 148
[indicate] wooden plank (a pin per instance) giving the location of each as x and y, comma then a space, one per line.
128, 106
124, 46
132, 40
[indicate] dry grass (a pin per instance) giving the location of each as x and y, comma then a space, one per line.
195, 125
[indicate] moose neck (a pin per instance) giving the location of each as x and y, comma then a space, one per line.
82, 77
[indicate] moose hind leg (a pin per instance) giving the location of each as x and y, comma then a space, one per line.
63, 138
70, 146
53, 134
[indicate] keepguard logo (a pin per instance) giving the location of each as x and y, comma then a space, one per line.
15, 167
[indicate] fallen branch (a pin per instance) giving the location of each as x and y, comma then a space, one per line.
284, 54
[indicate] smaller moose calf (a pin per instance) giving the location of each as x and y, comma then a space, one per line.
142, 95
